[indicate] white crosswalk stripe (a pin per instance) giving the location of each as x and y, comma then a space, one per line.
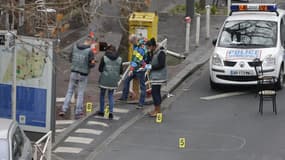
97, 123
60, 130
120, 110
89, 131
114, 118
67, 150
64, 122
82, 140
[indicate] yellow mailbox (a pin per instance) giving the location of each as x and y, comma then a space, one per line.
143, 24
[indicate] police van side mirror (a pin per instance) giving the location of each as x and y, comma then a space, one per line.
214, 42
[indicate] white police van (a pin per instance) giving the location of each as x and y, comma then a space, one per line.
252, 31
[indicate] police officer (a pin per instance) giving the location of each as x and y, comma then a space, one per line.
82, 62
110, 68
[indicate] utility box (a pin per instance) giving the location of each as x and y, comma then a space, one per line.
144, 25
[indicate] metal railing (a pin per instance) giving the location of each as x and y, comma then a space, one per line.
43, 147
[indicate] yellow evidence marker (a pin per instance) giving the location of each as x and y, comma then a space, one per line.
106, 111
89, 107
182, 143
158, 117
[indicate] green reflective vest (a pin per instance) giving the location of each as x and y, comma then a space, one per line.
111, 73
158, 77
80, 60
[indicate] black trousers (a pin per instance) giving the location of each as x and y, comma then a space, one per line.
156, 95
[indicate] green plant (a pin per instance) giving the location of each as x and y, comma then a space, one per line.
179, 9
214, 10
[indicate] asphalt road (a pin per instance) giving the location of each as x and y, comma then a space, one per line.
228, 128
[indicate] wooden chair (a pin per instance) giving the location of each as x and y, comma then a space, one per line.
266, 86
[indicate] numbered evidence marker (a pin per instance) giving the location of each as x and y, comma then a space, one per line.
106, 111
182, 143
89, 107
158, 117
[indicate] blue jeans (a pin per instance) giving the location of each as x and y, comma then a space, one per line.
76, 80
102, 99
141, 77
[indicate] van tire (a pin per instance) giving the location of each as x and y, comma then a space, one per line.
280, 80
214, 85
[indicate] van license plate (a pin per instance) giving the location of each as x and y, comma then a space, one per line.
242, 72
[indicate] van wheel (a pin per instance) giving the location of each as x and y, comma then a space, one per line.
280, 80
214, 85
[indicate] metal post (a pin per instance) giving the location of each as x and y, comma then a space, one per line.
190, 8
13, 16
14, 85
7, 21
49, 147
187, 38
198, 18
208, 7
229, 6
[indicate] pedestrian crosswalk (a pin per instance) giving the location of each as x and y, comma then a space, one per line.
87, 133
120, 110
60, 130
82, 140
67, 150
97, 123
64, 122
116, 118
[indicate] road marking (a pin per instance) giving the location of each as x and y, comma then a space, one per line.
121, 110
89, 131
223, 95
97, 123
67, 150
114, 118
64, 122
60, 130
79, 140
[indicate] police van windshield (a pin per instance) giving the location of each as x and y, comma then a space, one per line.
249, 34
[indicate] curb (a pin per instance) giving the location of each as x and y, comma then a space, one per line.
174, 83
182, 75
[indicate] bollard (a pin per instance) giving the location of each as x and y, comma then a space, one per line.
208, 9
187, 38
229, 6
198, 18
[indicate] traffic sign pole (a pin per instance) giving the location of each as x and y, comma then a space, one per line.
14, 85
